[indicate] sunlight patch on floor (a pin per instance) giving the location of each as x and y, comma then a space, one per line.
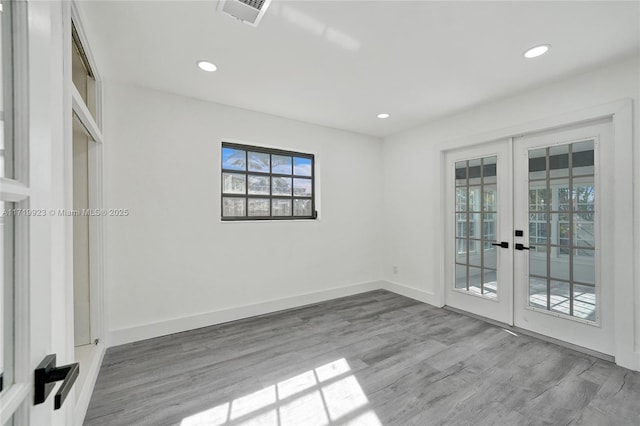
326, 395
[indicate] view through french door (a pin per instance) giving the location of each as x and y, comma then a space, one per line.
526, 246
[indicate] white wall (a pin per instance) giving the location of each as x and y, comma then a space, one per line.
173, 265
412, 168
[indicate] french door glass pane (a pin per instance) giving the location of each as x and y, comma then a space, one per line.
559, 297
461, 173
489, 283
475, 280
476, 224
461, 199
461, 276
562, 229
583, 158
489, 170
559, 161
537, 164
584, 301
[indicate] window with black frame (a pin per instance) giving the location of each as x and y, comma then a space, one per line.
266, 184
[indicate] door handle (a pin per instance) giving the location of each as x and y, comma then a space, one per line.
502, 244
47, 374
521, 247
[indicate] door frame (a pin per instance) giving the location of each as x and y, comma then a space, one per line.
627, 353
74, 104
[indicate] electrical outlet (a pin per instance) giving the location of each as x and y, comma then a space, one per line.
395, 269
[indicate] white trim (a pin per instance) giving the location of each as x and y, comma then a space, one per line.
22, 298
412, 293
92, 124
177, 325
82, 34
82, 403
626, 353
442, 236
10, 402
18, 191
21, 113
84, 115
96, 195
545, 124
96, 244
13, 191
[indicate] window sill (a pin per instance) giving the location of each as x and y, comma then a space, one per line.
311, 220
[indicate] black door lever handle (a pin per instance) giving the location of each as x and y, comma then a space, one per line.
47, 374
503, 244
521, 247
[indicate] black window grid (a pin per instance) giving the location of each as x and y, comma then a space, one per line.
246, 173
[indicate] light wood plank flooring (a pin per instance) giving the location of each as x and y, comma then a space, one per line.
371, 359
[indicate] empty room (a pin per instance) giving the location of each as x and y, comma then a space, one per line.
316, 212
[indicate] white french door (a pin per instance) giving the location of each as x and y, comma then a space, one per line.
563, 275
525, 245
479, 221
34, 298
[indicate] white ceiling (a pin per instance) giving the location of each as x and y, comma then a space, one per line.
339, 63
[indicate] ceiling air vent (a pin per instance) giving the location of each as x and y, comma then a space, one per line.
248, 11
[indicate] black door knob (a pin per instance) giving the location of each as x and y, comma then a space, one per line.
47, 374
502, 244
521, 247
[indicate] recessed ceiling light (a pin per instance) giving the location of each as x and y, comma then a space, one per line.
537, 51
383, 115
207, 66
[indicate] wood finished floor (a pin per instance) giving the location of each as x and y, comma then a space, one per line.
371, 359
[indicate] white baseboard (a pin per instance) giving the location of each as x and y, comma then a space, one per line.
163, 328
411, 292
82, 403
630, 360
